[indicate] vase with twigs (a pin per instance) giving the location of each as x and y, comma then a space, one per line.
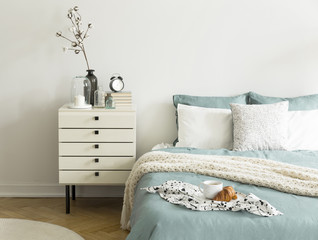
77, 44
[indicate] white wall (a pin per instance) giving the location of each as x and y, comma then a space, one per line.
198, 47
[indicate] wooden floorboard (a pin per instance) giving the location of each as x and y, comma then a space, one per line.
92, 218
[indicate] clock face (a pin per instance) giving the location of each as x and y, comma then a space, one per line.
117, 85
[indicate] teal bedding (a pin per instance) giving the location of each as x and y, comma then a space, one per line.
154, 218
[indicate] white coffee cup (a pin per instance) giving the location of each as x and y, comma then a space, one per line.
211, 188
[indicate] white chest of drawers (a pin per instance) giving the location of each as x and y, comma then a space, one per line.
96, 147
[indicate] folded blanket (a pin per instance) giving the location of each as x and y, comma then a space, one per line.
261, 172
190, 196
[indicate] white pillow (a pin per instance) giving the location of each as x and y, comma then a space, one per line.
206, 128
260, 127
303, 130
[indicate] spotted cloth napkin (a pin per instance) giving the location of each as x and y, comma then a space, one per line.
190, 196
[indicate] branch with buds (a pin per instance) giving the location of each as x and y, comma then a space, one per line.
77, 45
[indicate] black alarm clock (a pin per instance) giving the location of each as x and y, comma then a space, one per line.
116, 83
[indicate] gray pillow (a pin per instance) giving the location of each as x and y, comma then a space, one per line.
260, 127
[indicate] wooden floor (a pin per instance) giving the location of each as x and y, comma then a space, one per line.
92, 218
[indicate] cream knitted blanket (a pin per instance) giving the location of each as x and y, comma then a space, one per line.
261, 172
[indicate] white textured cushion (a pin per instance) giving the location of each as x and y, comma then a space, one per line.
260, 127
206, 128
303, 130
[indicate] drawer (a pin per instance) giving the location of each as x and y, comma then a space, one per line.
88, 177
97, 149
96, 163
97, 135
97, 119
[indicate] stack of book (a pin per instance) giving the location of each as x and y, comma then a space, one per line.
122, 99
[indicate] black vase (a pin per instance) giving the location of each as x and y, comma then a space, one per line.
93, 79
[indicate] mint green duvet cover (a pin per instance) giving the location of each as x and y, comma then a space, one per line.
154, 218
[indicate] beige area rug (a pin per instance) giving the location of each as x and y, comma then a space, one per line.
20, 229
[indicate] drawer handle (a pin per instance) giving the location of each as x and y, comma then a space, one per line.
96, 118
96, 174
96, 160
96, 132
96, 145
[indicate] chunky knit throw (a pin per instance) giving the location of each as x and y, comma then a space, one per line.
261, 172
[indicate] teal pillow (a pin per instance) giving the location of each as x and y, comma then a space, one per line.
308, 102
208, 102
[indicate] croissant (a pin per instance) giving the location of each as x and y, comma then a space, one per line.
227, 194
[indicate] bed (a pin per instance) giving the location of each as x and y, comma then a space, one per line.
151, 217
